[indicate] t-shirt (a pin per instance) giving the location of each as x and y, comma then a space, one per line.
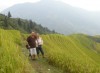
31, 41
40, 41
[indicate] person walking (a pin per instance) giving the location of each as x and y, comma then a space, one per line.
32, 43
39, 49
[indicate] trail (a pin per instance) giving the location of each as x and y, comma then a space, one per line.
41, 66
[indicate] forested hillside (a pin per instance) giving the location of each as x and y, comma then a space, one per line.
25, 26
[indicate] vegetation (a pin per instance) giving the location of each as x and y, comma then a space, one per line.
73, 54
12, 59
9, 14
25, 26
77, 53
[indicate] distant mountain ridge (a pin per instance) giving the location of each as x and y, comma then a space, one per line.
59, 16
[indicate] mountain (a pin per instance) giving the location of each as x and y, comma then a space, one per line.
58, 16
23, 25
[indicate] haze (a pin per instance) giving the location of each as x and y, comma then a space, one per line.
91, 5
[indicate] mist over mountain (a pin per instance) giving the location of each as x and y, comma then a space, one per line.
59, 16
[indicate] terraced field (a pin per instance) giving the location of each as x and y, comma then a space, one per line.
12, 60
74, 53
77, 53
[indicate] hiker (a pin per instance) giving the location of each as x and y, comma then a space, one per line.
39, 42
32, 45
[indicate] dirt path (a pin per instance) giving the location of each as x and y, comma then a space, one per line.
41, 66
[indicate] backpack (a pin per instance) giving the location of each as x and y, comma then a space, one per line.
27, 46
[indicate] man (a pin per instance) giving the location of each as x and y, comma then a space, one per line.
39, 45
32, 43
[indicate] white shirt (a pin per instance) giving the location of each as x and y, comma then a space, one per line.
39, 41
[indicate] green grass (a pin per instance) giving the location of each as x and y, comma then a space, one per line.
12, 60
41, 66
76, 53
73, 54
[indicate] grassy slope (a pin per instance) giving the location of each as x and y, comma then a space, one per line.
74, 53
12, 59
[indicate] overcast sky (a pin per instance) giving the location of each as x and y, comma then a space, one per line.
91, 5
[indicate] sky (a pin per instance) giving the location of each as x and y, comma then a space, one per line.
90, 5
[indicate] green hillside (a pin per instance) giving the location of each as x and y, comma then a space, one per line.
74, 54
12, 59
77, 53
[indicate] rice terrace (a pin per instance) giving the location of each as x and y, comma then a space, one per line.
77, 53
49, 36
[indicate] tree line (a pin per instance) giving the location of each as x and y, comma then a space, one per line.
26, 26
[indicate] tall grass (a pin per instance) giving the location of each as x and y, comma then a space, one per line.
12, 60
73, 54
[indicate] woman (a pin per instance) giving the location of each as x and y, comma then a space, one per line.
39, 42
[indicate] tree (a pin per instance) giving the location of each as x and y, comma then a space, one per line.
53, 31
5, 22
9, 14
19, 22
29, 30
31, 24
